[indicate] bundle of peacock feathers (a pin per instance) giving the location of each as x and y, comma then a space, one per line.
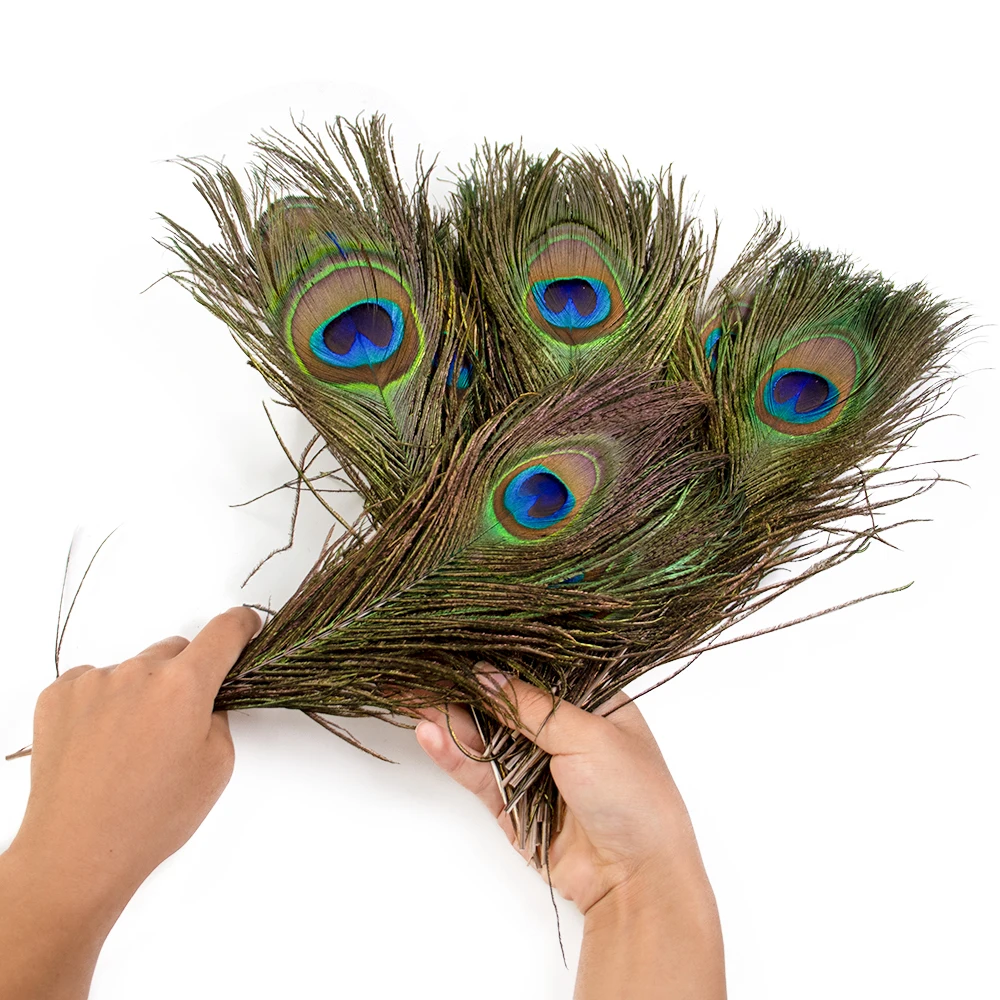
577, 462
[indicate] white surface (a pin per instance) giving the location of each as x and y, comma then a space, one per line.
841, 775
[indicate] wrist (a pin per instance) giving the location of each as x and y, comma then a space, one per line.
52, 934
654, 935
659, 893
76, 894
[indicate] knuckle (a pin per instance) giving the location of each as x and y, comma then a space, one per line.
73, 672
454, 764
46, 697
225, 752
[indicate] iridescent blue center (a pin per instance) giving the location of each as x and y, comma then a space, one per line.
537, 498
365, 333
712, 348
799, 397
462, 378
572, 303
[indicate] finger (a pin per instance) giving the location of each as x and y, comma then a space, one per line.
557, 727
459, 721
473, 775
213, 651
627, 719
165, 649
623, 713
613, 704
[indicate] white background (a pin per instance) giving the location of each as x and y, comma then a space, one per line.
841, 775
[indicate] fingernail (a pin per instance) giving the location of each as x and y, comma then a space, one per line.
260, 618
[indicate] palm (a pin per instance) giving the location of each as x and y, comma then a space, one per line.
620, 803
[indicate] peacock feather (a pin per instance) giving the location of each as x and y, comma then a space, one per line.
338, 285
578, 461
579, 266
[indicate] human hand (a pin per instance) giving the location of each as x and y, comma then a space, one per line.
126, 763
625, 819
626, 853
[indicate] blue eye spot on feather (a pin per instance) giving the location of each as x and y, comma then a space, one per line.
807, 388
461, 379
799, 397
365, 333
537, 498
459, 371
723, 328
712, 348
353, 323
571, 292
545, 494
572, 303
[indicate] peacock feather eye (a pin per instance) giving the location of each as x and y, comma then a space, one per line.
545, 494
352, 323
575, 303
537, 498
573, 294
805, 390
365, 333
799, 397
724, 323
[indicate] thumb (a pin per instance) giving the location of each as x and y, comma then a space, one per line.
213, 651
557, 727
